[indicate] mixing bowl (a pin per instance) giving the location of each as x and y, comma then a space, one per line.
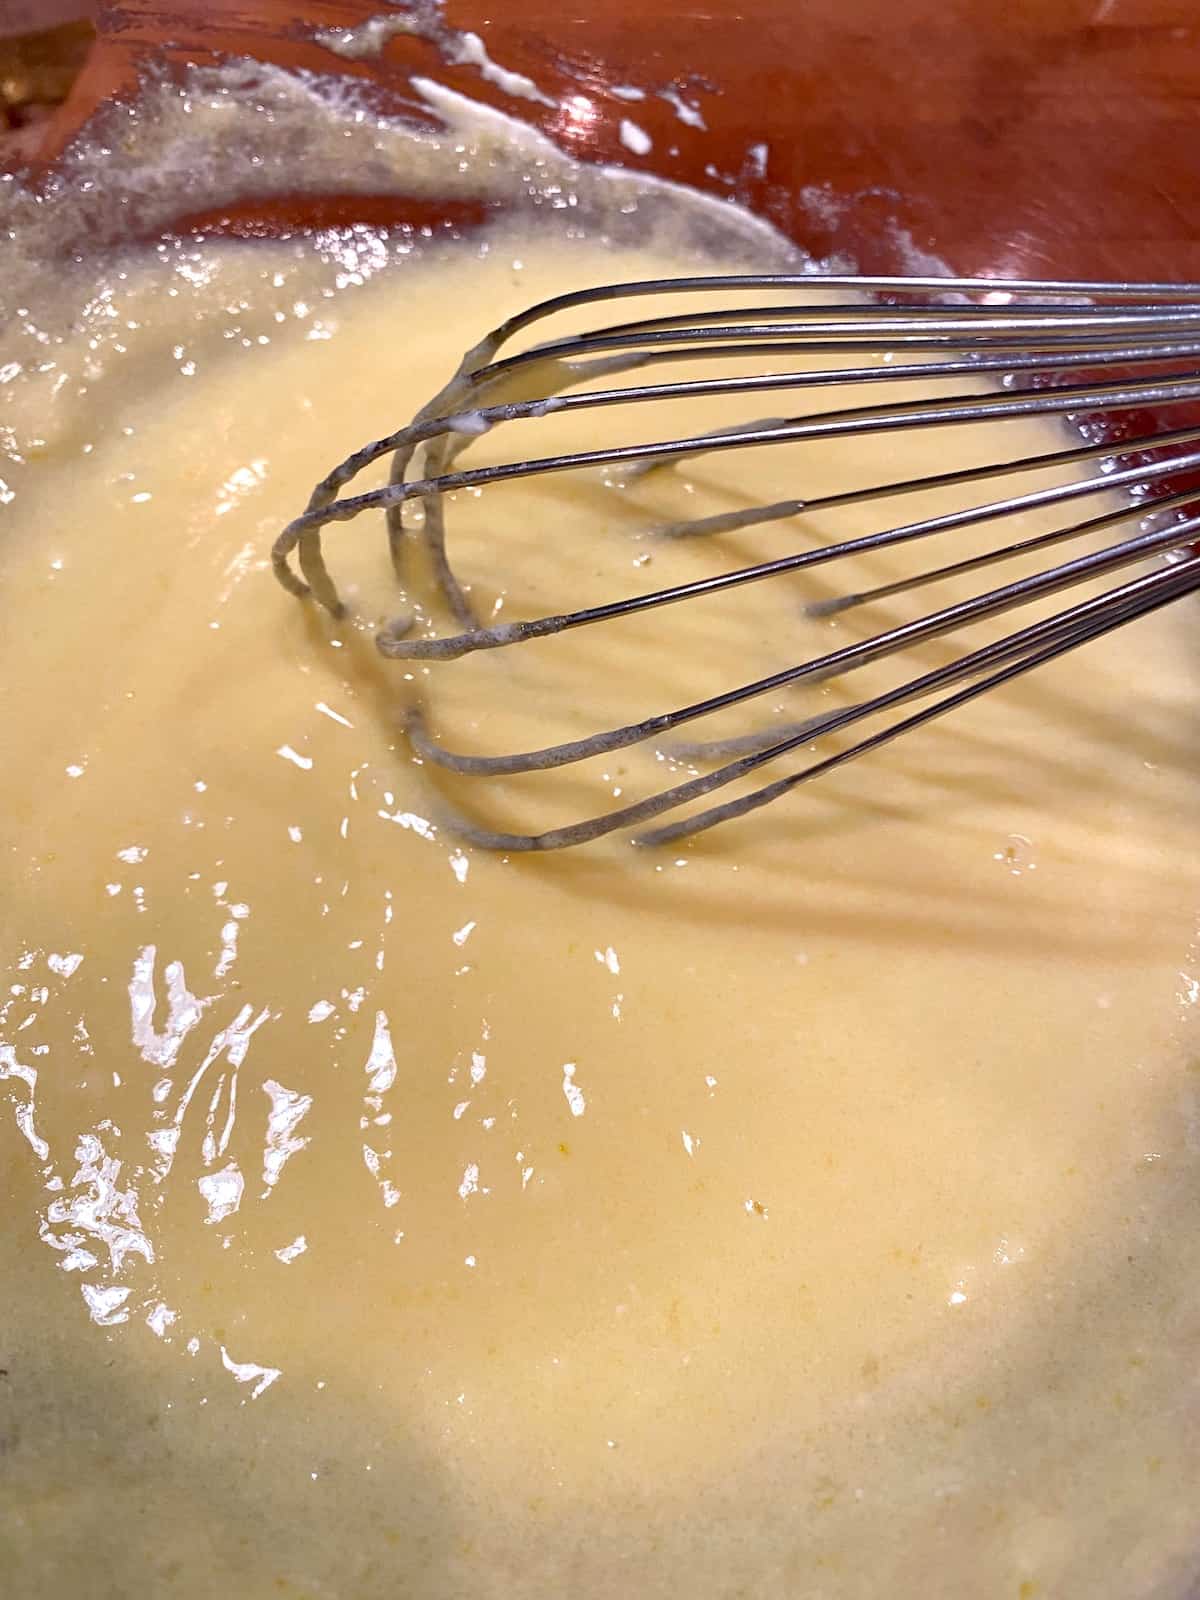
1050, 138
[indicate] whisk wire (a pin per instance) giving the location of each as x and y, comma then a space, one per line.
1064, 349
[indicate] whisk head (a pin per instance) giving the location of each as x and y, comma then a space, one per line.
1119, 493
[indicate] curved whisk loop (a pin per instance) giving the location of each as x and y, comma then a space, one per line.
1049, 348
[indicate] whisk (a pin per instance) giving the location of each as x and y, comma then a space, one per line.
1121, 356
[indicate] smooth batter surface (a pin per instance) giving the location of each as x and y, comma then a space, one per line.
807, 1212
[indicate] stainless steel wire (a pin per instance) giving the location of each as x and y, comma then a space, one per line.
1114, 352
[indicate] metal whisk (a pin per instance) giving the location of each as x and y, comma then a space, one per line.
1122, 356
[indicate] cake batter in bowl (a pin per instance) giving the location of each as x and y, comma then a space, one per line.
804, 1212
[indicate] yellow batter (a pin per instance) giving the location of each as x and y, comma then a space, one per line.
808, 1211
